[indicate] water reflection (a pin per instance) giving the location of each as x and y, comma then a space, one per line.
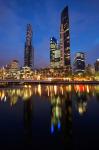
28, 116
56, 113
60, 100
82, 95
57, 94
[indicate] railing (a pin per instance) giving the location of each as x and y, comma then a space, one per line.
49, 81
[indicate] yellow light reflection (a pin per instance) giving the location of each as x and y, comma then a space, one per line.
62, 91
48, 91
55, 89
39, 90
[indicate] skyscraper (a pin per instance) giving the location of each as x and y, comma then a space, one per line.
29, 51
54, 53
79, 62
96, 65
65, 40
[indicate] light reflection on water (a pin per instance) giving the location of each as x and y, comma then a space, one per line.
82, 93
60, 99
57, 94
49, 90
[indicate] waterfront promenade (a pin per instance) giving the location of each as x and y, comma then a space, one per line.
23, 82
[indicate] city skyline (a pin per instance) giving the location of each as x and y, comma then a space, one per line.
13, 33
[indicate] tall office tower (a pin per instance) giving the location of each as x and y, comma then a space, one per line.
96, 65
65, 40
79, 63
57, 56
29, 51
54, 53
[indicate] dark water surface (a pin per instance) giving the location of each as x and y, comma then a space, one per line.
55, 117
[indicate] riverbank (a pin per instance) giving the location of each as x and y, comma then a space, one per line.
11, 83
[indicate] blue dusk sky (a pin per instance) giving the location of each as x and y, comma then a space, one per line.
44, 15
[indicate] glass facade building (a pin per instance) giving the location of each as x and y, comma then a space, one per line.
65, 40
54, 53
79, 63
96, 65
29, 51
